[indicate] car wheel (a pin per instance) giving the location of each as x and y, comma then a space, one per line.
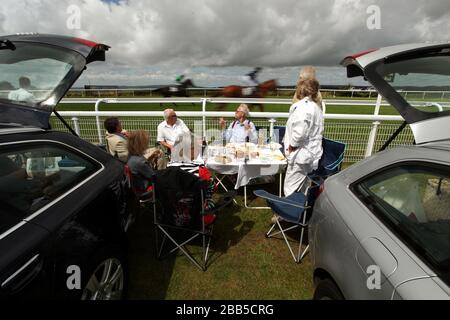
327, 290
107, 278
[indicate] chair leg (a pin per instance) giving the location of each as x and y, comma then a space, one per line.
183, 249
163, 241
300, 254
282, 231
270, 235
286, 240
304, 253
209, 235
156, 239
183, 244
206, 242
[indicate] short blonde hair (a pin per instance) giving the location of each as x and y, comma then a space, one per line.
244, 108
308, 88
138, 142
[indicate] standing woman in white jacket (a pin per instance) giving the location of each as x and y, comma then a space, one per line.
303, 138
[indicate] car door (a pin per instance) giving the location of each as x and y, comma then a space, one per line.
21, 244
22, 263
36, 176
410, 201
426, 288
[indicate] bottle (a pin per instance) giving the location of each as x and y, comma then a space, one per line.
204, 145
260, 138
247, 140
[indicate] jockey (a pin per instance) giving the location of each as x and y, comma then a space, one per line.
180, 79
250, 78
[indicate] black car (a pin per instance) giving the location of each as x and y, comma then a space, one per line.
65, 204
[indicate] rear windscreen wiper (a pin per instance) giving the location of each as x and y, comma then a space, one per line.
6, 44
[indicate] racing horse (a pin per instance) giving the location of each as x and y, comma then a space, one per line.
179, 90
260, 91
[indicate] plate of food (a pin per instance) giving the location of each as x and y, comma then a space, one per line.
249, 145
279, 157
222, 159
274, 145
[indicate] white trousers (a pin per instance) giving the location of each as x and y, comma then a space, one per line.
295, 178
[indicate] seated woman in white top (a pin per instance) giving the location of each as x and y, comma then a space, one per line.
303, 138
241, 129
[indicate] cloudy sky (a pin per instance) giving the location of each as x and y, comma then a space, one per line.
214, 42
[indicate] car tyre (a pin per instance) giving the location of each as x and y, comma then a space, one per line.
327, 290
107, 275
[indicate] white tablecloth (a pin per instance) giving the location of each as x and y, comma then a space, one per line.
247, 171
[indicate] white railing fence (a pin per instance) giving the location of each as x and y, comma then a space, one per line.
354, 130
205, 92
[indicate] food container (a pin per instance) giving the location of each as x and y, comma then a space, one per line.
214, 151
222, 159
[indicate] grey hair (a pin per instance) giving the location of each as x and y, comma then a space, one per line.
308, 72
167, 113
244, 108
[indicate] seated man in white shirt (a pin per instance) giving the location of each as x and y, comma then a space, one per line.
22, 94
241, 129
175, 136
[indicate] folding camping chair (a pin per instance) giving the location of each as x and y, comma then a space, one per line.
297, 207
144, 196
182, 211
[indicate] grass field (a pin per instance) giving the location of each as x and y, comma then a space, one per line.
244, 264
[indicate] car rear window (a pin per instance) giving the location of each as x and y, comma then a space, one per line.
31, 73
414, 200
424, 82
33, 175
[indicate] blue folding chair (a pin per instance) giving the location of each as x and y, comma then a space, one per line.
297, 207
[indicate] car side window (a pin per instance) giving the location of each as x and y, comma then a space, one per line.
33, 175
414, 200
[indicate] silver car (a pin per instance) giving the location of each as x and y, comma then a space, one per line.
380, 229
